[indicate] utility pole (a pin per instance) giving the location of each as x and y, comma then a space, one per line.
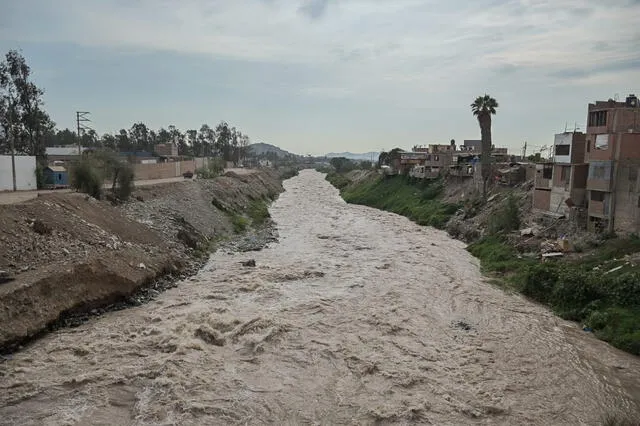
524, 151
12, 144
81, 117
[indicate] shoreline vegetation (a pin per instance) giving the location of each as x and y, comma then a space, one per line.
600, 289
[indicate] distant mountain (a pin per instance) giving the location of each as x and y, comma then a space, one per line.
265, 148
351, 156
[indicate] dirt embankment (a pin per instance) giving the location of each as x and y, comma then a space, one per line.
65, 253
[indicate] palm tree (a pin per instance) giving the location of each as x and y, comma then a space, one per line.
483, 108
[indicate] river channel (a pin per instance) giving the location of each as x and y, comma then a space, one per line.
356, 316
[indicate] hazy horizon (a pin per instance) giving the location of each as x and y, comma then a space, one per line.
319, 76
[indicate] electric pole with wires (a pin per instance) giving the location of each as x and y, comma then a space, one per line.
81, 117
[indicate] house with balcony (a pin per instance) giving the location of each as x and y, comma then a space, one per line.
612, 151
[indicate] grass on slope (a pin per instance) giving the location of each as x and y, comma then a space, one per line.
583, 291
419, 202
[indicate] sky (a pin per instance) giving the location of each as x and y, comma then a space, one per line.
315, 76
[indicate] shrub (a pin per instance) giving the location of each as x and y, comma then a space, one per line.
124, 182
574, 291
288, 173
240, 223
258, 212
212, 169
495, 255
40, 179
506, 219
337, 180
86, 177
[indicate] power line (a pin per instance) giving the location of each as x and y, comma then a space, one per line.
81, 117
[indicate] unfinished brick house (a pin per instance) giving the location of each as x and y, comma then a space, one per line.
613, 155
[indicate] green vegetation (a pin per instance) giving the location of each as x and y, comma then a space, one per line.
288, 173
506, 219
483, 107
583, 291
419, 202
40, 179
89, 174
338, 180
258, 211
213, 169
240, 223
123, 177
86, 177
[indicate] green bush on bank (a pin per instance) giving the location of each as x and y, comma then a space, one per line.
288, 173
258, 211
419, 201
86, 177
609, 303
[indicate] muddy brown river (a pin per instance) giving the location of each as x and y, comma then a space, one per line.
356, 316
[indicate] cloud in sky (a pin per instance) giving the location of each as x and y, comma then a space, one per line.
318, 75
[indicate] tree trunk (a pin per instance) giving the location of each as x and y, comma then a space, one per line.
485, 159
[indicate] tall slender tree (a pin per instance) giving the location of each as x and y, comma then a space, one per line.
483, 108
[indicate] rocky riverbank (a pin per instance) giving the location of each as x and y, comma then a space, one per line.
64, 257
583, 277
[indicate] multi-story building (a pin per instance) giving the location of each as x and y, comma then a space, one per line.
613, 154
560, 184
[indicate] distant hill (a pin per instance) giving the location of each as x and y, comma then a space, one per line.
265, 148
352, 156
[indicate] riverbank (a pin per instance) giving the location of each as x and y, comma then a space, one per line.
596, 282
66, 256
356, 316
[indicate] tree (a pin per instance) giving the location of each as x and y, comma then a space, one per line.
123, 141
342, 164
192, 141
109, 141
206, 141
483, 108
177, 137
139, 137
21, 108
223, 140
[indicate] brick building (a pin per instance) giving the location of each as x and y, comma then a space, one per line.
613, 155
560, 185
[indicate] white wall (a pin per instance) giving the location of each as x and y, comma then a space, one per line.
563, 139
25, 173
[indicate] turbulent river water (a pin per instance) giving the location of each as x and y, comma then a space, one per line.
356, 316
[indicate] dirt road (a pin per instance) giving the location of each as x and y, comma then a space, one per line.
9, 197
356, 316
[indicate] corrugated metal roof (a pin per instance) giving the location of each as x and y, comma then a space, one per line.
57, 169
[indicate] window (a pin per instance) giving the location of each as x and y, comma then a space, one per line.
602, 141
547, 172
598, 118
563, 149
597, 196
598, 172
436, 158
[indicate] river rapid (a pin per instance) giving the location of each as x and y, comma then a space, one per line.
356, 316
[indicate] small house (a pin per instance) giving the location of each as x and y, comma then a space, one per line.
56, 176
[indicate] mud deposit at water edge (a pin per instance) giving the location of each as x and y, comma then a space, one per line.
355, 316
